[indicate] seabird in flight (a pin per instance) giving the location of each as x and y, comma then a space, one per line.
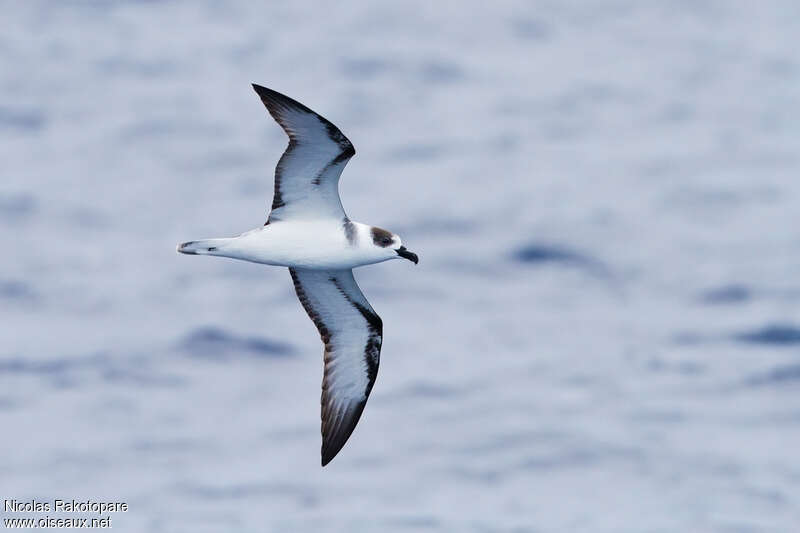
308, 231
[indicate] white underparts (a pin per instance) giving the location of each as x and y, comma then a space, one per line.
313, 244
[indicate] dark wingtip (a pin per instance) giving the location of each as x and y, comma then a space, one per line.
335, 434
331, 450
268, 96
277, 104
272, 98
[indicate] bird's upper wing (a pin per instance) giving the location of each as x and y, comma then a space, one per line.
307, 175
352, 334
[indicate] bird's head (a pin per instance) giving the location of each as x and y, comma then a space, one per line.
391, 245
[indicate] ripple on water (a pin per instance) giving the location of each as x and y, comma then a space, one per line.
17, 291
21, 120
441, 72
537, 254
779, 375
547, 253
16, 205
531, 29
726, 295
364, 68
772, 334
65, 372
217, 343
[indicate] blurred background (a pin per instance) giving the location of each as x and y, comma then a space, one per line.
603, 332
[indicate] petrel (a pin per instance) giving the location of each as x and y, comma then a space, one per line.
308, 231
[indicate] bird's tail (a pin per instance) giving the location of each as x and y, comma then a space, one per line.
203, 247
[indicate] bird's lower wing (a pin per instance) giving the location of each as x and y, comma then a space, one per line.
352, 334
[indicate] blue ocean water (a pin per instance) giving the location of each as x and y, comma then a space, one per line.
603, 332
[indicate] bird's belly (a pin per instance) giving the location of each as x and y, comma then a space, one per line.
302, 259
310, 261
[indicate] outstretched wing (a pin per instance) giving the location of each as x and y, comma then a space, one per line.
307, 175
352, 334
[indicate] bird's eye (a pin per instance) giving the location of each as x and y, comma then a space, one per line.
386, 241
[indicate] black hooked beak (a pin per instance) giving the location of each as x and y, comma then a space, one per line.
411, 256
